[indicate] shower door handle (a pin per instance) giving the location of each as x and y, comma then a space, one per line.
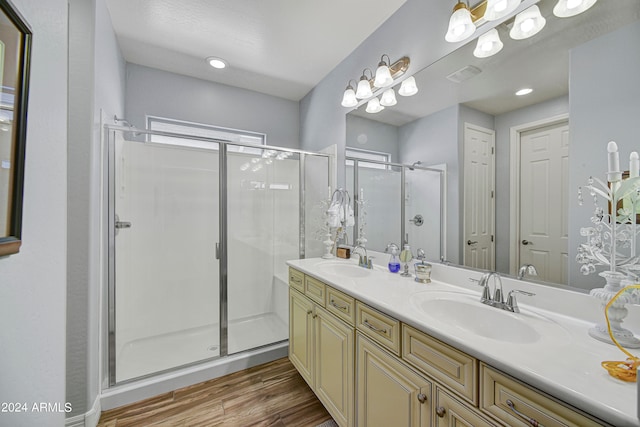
120, 224
217, 250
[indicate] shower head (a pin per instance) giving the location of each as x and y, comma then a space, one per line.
415, 164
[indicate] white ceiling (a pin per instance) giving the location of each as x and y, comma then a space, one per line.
278, 47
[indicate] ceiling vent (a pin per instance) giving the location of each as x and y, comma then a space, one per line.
464, 73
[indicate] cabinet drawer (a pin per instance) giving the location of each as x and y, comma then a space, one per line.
341, 305
382, 328
451, 367
296, 279
501, 396
315, 290
451, 412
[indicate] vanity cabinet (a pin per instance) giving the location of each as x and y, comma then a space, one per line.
405, 377
516, 404
389, 392
321, 347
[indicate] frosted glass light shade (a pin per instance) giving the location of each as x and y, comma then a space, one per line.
349, 98
488, 44
388, 98
568, 8
497, 9
373, 106
408, 87
528, 23
461, 27
364, 89
383, 76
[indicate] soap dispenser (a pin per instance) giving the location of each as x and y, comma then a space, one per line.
423, 269
405, 257
394, 262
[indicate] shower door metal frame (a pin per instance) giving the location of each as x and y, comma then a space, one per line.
110, 214
403, 169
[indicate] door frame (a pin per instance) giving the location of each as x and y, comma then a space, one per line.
465, 189
515, 142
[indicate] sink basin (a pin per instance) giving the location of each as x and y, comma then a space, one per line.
344, 269
465, 312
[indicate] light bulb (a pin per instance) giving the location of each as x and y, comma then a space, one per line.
383, 75
568, 8
528, 23
408, 87
497, 9
461, 27
388, 98
373, 106
364, 88
349, 97
488, 44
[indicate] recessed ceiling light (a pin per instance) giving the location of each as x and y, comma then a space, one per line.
525, 91
216, 62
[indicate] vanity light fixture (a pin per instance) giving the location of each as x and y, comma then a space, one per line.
349, 98
461, 26
528, 23
384, 77
568, 8
525, 91
408, 87
488, 44
388, 98
383, 74
216, 62
497, 9
373, 106
364, 86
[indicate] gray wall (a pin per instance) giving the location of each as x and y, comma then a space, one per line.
604, 106
160, 93
33, 282
97, 72
434, 140
417, 30
370, 135
503, 125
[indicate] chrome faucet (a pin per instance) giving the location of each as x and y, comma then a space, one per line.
363, 260
495, 300
527, 269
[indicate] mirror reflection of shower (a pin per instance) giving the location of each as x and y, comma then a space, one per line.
414, 193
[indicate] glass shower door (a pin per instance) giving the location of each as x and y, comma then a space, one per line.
165, 227
263, 205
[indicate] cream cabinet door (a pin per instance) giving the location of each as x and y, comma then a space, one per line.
450, 412
389, 393
301, 335
334, 369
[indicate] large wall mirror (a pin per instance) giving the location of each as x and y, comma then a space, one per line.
15, 42
514, 163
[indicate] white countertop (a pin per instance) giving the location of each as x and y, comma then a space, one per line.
565, 365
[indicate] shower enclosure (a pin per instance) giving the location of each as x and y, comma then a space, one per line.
199, 232
402, 204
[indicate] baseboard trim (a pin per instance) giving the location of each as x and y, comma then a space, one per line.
88, 419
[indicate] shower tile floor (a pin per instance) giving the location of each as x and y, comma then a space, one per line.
158, 353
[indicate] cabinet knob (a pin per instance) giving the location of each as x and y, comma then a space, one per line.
440, 411
315, 315
310, 311
422, 397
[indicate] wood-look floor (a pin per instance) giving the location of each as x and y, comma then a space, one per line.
273, 395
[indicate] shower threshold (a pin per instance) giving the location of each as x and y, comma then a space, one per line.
158, 353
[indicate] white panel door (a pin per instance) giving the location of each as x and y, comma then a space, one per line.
544, 201
479, 201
